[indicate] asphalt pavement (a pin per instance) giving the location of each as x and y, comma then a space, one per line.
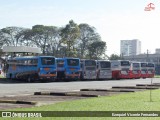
15, 88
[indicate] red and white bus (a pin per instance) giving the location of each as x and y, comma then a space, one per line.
144, 72
135, 70
104, 69
151, 69
120, 69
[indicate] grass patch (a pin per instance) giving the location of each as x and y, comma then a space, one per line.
139, 101
157, 76
1, 76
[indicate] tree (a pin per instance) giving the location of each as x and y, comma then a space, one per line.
26, 39
97, 49
88, 35
45, 37
10, 36
69, 36
114, 57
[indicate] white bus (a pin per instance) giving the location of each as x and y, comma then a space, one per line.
88, 69
104, 69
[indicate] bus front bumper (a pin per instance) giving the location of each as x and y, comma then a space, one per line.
47, 76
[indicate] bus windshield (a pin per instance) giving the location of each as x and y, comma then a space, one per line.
136, 65
125, 63
150, 65
143, 64
90, 63
48, 61
60, 63
105, 64
73, 62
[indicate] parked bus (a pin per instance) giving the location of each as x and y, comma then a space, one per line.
88, 69
144, 72
68, 68
32, 68
135, 70
104, 69
120, 69
151, 70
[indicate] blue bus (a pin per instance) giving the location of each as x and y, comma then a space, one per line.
32, 68
68, 68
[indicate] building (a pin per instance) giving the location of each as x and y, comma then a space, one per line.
130, 47
157, 51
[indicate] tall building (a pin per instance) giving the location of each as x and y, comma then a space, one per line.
157, 51
130, 47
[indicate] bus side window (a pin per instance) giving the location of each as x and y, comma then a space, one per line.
29, 62
34, 62
25, 62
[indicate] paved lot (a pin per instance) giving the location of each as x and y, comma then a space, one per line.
11, 88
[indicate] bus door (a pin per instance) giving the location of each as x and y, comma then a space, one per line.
60, 68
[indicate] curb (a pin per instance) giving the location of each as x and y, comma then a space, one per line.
81, 95
107, 90
64, 94
18, 102
41, 93
135, 87
149, 85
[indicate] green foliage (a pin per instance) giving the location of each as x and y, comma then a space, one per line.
114, 57
69, 36
88, 35
96, 49
10, 36
73, 40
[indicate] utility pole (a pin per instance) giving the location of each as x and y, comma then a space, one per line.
147, 55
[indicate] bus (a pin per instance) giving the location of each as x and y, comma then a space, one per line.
120, 69
135, 70
88, 69
68, 68
144, 72
151, 69
104, 69
32, 68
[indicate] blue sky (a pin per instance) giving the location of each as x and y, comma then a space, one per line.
114, 20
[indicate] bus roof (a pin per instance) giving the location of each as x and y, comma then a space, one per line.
31, 57
21, 49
